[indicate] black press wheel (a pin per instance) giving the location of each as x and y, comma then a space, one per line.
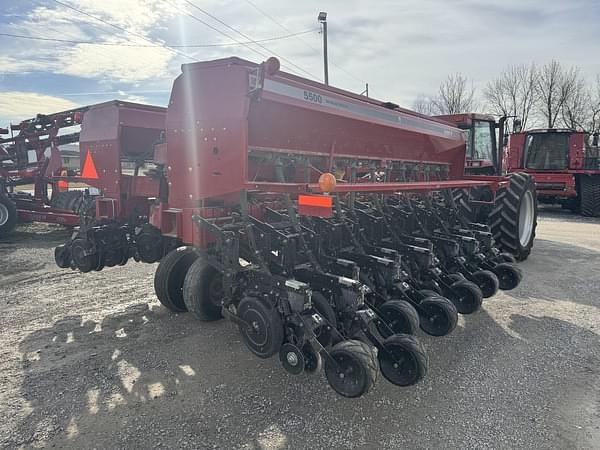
62, 256
466, 296
351, 368
438, 316
170, 276
487, 282
264, 332
397, 316
203, 291
402, 360
508, 275
84, 255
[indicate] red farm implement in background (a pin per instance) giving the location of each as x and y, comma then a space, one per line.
116, 179
322, 223
565, 165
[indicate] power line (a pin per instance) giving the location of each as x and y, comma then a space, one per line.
275, 21
249, 38
262, 55
125, 30
117, 44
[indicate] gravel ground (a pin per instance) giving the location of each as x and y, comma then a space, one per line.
93, 361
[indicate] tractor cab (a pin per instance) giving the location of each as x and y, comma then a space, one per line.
482, 156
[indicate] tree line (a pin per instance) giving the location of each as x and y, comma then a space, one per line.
549, 96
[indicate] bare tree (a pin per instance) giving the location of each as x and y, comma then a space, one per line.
594, 120
455, 96
554, 87
513, 93
576, 112
424, 105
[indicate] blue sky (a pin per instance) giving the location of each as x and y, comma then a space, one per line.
401, 48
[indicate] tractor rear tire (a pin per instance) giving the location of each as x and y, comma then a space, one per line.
590, 196
8, 215
170, 276
467, 212
514, 217
203, 291
69, 200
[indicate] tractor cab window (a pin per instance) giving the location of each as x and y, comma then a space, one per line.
481, 141
484, 137
547, 151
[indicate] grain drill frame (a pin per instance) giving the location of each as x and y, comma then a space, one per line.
321, 222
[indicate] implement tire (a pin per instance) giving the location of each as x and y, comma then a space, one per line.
203, 291
514, 217
8, 215
590, 195
170, 276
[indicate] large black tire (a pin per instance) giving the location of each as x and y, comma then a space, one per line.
8, 215
590, 195
170, 276
514, 217
203, 291
461, 200
69, 200
351, 368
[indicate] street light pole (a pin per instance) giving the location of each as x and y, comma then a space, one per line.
323, 19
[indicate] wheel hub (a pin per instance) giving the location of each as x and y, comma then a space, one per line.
292, 358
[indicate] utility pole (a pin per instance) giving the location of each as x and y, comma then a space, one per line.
322, 18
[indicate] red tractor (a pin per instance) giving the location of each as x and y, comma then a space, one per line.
564, 163
513, 216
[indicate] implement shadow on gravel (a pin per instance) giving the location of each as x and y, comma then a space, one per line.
147, 377
571, 375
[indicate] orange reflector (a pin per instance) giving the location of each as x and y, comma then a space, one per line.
315, 205
315, 200
89, 168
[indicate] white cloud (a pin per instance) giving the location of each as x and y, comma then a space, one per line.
17, 106
128, 64
124, 64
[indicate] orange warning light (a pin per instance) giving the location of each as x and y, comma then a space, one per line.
327, 182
